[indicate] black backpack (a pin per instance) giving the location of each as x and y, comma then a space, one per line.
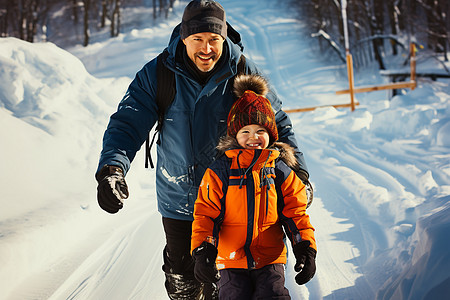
165, 93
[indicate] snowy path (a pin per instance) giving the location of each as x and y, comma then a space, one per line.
368, 184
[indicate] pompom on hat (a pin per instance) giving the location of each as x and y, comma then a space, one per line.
203, 16
252, 106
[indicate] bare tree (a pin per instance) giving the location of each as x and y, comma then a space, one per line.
164, 8
21, 18
104, 13
115, 18
6, 9
75, 11
375, 14
394, 11
373, 25
436, 12
86, 6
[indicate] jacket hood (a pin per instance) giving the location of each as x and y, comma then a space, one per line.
287, 153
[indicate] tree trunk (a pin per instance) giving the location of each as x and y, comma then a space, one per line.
4, 23
437, 35
86, 22
393, 22
75, 11
33, 16
21, 20
115, 19
104, 13
161, 7
376, 28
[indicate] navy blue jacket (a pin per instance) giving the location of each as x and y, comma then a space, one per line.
192, 126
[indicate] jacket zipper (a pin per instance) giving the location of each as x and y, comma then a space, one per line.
250, 212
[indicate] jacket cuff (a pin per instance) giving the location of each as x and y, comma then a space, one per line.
107, 170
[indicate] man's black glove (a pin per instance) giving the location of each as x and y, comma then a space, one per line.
205, 263
112, 188
306, 262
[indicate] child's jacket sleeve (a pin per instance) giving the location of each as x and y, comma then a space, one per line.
207, 208
292, 207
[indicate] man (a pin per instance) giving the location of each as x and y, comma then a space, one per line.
204, 53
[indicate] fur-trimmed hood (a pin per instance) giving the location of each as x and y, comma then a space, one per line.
287, 153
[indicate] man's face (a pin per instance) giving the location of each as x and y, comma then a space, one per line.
204, 49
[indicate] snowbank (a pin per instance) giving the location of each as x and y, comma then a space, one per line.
52, 116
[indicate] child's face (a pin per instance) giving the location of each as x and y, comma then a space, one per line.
253, 137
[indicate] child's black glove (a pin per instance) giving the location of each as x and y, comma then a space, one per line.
112, 188
205, 263
306, 262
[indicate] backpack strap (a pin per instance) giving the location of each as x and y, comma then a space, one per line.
165, 93
241, 66
165, 87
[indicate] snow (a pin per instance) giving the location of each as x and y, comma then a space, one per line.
381, 174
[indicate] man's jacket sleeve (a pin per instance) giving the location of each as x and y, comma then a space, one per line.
129, 126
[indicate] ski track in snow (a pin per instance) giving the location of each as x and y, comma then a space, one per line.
109, 265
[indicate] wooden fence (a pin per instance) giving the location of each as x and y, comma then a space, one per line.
352, 90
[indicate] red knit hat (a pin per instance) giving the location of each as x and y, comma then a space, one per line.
252, 107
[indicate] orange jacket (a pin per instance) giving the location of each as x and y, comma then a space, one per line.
248, 222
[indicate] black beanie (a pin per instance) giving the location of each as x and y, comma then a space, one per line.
203, 16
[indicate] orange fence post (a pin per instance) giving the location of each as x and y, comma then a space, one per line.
350, 80
412, 48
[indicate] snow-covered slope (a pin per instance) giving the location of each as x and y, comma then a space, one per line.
381, 174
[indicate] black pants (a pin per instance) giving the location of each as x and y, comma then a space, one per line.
243, 284
179, 266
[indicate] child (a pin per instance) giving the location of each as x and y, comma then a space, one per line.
246, 198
